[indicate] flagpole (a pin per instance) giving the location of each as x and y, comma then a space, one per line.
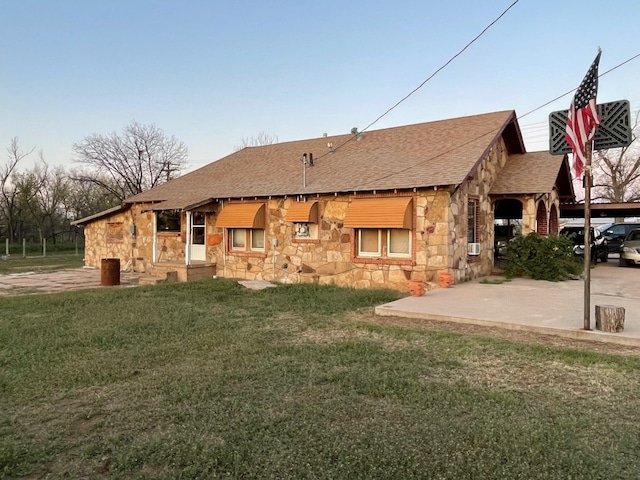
587, 235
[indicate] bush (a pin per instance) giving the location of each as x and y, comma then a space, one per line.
542, 258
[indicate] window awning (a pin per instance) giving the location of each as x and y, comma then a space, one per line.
242, 215
303, 212
392, 212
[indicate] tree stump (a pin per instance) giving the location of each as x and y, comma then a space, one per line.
609, 318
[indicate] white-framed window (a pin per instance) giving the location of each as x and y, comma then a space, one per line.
383, 242
257, 239
246, 239
369, 242
398, 242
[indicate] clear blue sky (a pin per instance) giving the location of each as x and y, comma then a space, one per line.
214, 72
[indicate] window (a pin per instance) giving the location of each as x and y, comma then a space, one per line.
115, 232
472, 221
369, 244
399, 243
168, 221
383, 242
239, 238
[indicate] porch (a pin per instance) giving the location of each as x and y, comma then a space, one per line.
177, 271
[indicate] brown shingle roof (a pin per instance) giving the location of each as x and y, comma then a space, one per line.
535, 172
420, 155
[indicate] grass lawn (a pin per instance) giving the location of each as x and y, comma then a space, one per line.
50, 263
208, 380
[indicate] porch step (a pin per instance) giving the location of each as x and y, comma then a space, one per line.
169, 276
178, 272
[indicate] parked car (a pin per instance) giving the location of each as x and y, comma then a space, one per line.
616, 233
599, 250
630, 249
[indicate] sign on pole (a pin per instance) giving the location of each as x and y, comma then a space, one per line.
614, 129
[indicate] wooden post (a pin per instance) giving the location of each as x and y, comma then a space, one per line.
609, 318
587, 237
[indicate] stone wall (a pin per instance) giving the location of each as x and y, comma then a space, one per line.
464, 266
329, 259
439, 239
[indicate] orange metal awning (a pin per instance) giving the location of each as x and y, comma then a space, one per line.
303, 212
242, 215
392, 212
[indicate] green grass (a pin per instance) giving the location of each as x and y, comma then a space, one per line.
50, 263
208, 380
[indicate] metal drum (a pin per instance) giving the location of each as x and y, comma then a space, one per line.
110, 272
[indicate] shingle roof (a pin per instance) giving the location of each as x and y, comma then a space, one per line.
420, 155
535, 172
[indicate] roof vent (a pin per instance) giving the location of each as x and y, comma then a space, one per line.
354, 131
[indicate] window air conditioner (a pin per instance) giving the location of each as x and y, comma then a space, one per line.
302, 230
473, 249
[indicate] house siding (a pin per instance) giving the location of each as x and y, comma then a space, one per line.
329, 259
438, 238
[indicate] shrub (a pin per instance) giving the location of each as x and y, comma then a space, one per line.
542, 258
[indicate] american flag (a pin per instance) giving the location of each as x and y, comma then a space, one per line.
583, 119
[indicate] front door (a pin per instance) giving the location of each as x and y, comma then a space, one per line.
198, 234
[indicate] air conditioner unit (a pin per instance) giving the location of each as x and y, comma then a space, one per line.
302, 229
473, 249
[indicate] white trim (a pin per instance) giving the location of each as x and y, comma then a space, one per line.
362, 253
400, 254
187, 253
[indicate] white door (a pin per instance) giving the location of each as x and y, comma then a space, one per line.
198, 237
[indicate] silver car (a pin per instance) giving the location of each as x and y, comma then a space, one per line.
630, 249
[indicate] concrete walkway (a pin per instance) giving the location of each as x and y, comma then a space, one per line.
546, 307
58, 281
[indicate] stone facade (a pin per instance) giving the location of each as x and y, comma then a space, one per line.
439, 237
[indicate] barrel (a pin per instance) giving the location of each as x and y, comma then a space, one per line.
110, 272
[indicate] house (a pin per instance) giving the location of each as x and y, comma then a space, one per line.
365, 209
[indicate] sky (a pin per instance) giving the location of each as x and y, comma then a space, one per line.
213, 72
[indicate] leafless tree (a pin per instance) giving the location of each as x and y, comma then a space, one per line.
8, 190
85, 197
617, 171
261, 139
141, 158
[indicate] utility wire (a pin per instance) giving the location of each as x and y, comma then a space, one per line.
442, 67
427, 79
574, 89
493, 131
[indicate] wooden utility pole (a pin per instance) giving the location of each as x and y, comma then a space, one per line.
588, 180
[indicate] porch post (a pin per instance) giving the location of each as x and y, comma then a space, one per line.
154, 243
187, 249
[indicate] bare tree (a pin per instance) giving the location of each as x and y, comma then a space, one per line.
8, 190
261, 139
88, 197
617, 171
139, 159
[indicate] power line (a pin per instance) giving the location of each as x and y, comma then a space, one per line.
486, 133
428, 78
443, 66
574, 89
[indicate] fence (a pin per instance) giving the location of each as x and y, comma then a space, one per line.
42, 249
